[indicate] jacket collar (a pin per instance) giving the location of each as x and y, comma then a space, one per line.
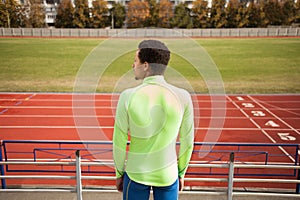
154, 79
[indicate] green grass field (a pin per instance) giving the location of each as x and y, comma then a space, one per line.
248, 66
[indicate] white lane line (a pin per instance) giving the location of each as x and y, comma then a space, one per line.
89, 116
262, 130
88, 100
60, 107
91, 100
266, 109
55, 127
62, 100
55, 116
88, 107
108, 127
116, 99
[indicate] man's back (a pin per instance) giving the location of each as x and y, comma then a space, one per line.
151, 116
155, 111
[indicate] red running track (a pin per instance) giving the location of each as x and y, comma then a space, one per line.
268, 119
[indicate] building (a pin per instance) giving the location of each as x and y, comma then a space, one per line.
51, 10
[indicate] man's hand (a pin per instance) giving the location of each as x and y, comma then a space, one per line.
119, 184
181, 184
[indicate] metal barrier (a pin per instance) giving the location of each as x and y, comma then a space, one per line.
231, 165
230, 193
35, 150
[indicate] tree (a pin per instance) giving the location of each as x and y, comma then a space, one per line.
4, 17
165, 13
232, 14
152, 19
99, 14
200, 14
118, 13
10, 14
36, 14
137, 13
217, 14
182, 18
288, 11
297, 14
81, 14
65, 15
264, 21
271, 13
252, 15
241, 19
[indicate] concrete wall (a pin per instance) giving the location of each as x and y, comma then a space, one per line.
151, 32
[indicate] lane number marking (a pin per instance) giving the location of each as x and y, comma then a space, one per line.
258, 113
240, 98
271, 123
286, 137
248, 105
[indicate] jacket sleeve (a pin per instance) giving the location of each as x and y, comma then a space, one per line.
120, 136
186, 137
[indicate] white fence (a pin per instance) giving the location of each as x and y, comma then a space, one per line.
151, 32
230, 180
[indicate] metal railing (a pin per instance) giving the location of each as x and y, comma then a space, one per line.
230, 179
45, 150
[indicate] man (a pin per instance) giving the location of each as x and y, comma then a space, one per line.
151, 115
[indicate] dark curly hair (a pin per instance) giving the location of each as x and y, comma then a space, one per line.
156, 54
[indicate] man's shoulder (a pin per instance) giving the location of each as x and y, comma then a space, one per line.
129, 91
179, 90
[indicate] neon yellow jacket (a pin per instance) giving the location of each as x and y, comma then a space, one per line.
151, 116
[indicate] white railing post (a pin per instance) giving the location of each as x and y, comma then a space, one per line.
3, 182
230, 176
298, 178
78, 176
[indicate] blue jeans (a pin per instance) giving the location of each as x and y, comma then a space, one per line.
136, 191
